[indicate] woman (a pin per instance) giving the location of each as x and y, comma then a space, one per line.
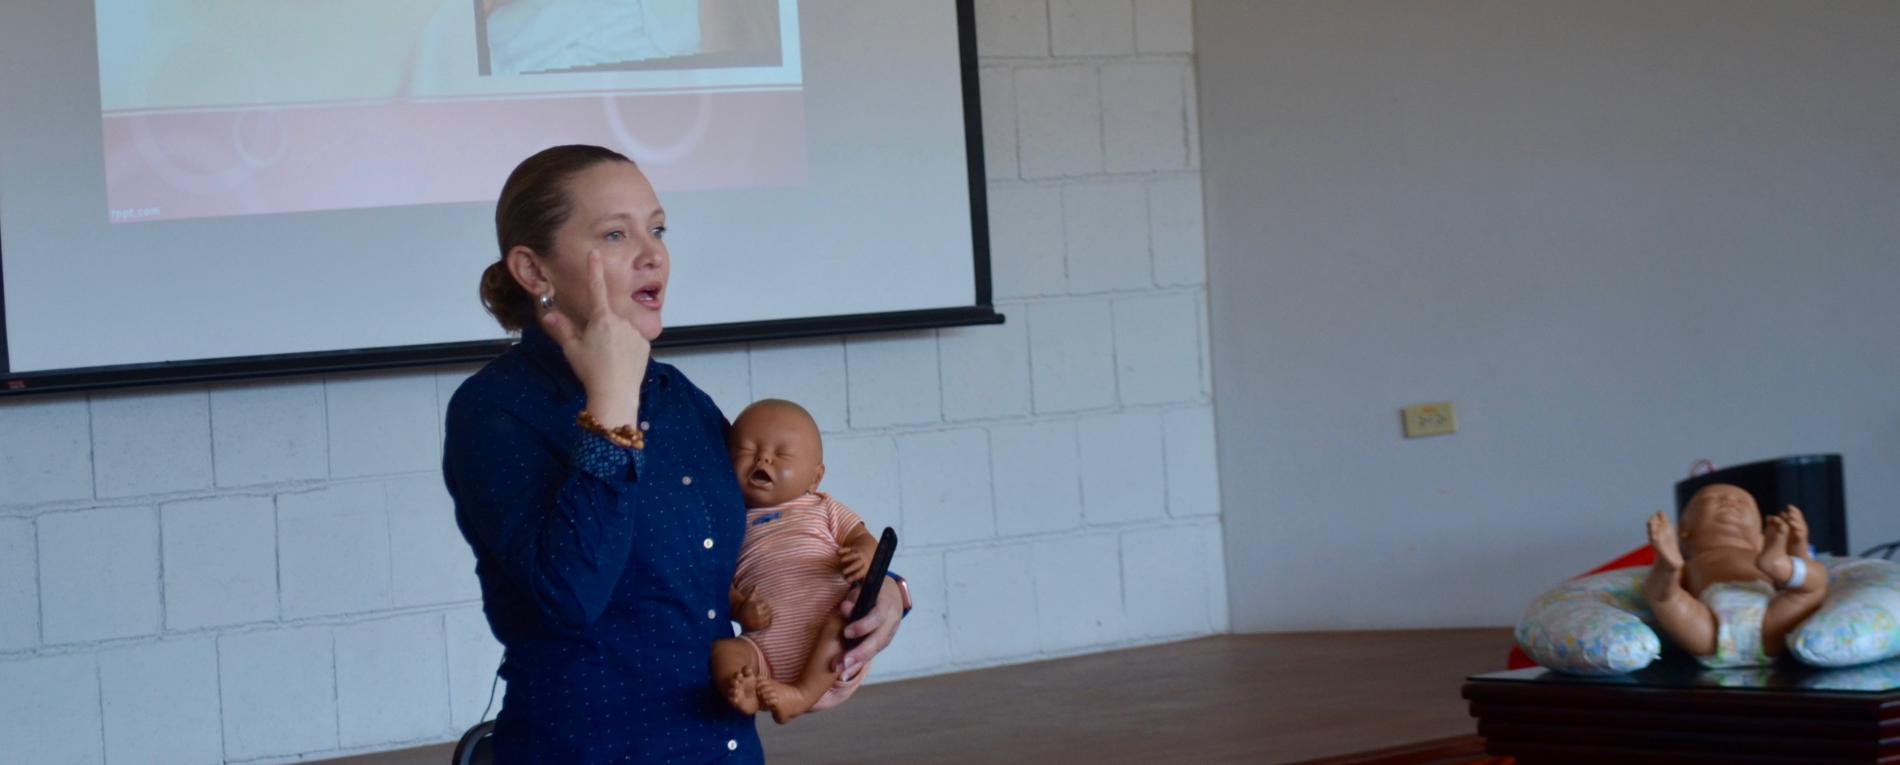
594, 486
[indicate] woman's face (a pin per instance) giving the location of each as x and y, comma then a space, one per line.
615, 213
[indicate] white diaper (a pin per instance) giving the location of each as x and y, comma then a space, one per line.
1738, 608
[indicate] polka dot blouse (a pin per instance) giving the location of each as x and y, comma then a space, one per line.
604, 571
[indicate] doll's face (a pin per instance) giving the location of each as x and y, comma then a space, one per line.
776, 452
1721, 515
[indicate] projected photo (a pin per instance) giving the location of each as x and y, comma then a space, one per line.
234, 107
551, 36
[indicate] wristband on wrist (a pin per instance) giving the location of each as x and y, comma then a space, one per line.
903, 588
1800, 574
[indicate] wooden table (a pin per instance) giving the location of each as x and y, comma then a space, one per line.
1679, 713
1240, 699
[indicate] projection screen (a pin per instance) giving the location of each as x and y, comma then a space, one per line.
208, 189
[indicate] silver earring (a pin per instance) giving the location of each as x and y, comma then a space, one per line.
546, 302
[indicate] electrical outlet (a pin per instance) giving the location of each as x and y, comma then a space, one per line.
1439, 419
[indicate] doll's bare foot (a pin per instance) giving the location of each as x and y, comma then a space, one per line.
742, 690
787, 702
1773, 561
1662, 539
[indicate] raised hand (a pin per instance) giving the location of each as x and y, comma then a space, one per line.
606, 351
1774, 559
1662, 538
1797, 533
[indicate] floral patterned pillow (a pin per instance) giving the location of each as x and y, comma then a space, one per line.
1593, 625
1859, 622
1600, 624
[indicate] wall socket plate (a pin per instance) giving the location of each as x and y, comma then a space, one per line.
1440, 419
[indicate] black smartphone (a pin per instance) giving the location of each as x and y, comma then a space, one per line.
873, 581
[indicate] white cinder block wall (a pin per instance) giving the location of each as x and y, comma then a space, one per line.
270, 571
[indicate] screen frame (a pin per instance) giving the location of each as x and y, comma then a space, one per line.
980, 312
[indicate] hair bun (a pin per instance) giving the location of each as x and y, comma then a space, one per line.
505, 299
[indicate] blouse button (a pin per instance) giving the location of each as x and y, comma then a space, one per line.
732, 745
645, 426
686, 480
707, 543
711, 614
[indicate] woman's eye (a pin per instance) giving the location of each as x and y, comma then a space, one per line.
659, 232
615, 236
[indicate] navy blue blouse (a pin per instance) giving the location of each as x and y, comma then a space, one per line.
604, 571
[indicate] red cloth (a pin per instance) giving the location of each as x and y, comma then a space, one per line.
1641, 556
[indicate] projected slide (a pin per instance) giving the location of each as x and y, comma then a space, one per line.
309, 183
235, 107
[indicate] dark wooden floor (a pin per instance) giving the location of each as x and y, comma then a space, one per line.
1228, 699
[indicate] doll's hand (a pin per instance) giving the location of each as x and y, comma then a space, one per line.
1774, 560
1662, 537
1797, 533
754, 613
854, 564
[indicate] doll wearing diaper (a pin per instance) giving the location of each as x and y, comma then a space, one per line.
1730, 588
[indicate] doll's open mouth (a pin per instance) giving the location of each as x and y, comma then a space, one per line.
760, 478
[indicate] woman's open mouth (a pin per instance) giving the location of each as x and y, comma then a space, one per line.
649, 295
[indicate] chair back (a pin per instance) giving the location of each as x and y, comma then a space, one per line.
475, 748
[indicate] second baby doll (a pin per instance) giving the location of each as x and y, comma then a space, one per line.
803, 551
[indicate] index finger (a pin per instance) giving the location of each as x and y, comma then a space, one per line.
559, 328
597, 281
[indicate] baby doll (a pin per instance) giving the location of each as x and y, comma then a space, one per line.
802, 552
1730, 569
